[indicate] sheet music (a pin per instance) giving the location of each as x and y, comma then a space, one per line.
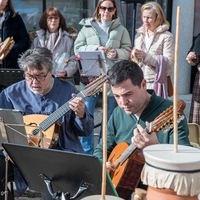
93, 63
12, 122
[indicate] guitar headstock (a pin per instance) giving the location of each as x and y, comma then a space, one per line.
164, 121
95, 86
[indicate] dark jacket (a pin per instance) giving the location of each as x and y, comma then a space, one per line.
13, 26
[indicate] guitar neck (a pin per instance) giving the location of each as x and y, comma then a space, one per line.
56, 115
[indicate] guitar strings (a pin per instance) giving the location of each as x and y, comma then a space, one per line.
10, 126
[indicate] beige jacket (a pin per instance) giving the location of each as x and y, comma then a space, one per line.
161, 44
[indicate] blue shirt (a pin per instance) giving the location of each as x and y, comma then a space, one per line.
18, 96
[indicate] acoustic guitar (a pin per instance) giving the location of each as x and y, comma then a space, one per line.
43, 130
128, 160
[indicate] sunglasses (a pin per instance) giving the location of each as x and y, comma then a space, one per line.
109, 9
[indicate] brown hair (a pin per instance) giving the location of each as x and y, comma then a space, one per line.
52, 12
9, 6
96, 12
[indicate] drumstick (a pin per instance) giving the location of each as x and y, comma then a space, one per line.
104, 135
175, 81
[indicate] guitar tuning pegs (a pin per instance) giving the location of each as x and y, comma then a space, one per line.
165, 131
180, 118
167, 128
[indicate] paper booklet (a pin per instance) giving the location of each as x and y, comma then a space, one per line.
93, 63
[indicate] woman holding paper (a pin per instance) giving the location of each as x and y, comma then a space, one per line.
57, 37
102, 32
154, 48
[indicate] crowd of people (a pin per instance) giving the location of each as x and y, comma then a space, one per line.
138, 79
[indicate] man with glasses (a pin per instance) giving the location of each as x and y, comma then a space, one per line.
41, 93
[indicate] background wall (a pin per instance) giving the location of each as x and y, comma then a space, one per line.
185, 42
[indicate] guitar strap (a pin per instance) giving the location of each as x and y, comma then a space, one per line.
136, 118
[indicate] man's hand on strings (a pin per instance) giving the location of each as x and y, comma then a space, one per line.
142, 138
77, 104
32, 139
110, 167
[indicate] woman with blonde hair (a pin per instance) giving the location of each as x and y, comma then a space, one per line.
154, 48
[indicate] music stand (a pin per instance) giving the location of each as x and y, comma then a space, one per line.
12, 127
9, 76
92, 63
59, 173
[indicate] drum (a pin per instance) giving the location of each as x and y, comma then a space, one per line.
171, 175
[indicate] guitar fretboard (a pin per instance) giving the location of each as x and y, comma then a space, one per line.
51, 119
127, 153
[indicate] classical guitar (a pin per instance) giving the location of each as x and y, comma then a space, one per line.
43, 130
128, 161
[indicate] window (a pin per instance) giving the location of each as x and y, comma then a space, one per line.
31, 11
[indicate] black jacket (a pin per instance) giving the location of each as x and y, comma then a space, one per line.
13, 26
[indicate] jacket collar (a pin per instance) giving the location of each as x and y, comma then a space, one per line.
159, 29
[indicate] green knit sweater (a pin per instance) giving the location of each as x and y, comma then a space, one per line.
120, 126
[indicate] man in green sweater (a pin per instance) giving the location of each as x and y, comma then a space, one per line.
136, 106
137, 109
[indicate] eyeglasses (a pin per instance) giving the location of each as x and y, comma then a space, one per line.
53, 17
109, 9
40, 77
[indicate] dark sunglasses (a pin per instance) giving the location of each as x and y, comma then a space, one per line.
110, 9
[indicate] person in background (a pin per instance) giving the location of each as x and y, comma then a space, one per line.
57, 37
12, 25
154, 49
102, 32
137, 108
193, 58
41, 93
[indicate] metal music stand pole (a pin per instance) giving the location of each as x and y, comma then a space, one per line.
6, 176
103, 195
4, 137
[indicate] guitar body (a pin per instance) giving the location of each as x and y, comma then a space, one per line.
43, 131
45, 139
127, 175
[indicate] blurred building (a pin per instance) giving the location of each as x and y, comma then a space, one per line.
129, 13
